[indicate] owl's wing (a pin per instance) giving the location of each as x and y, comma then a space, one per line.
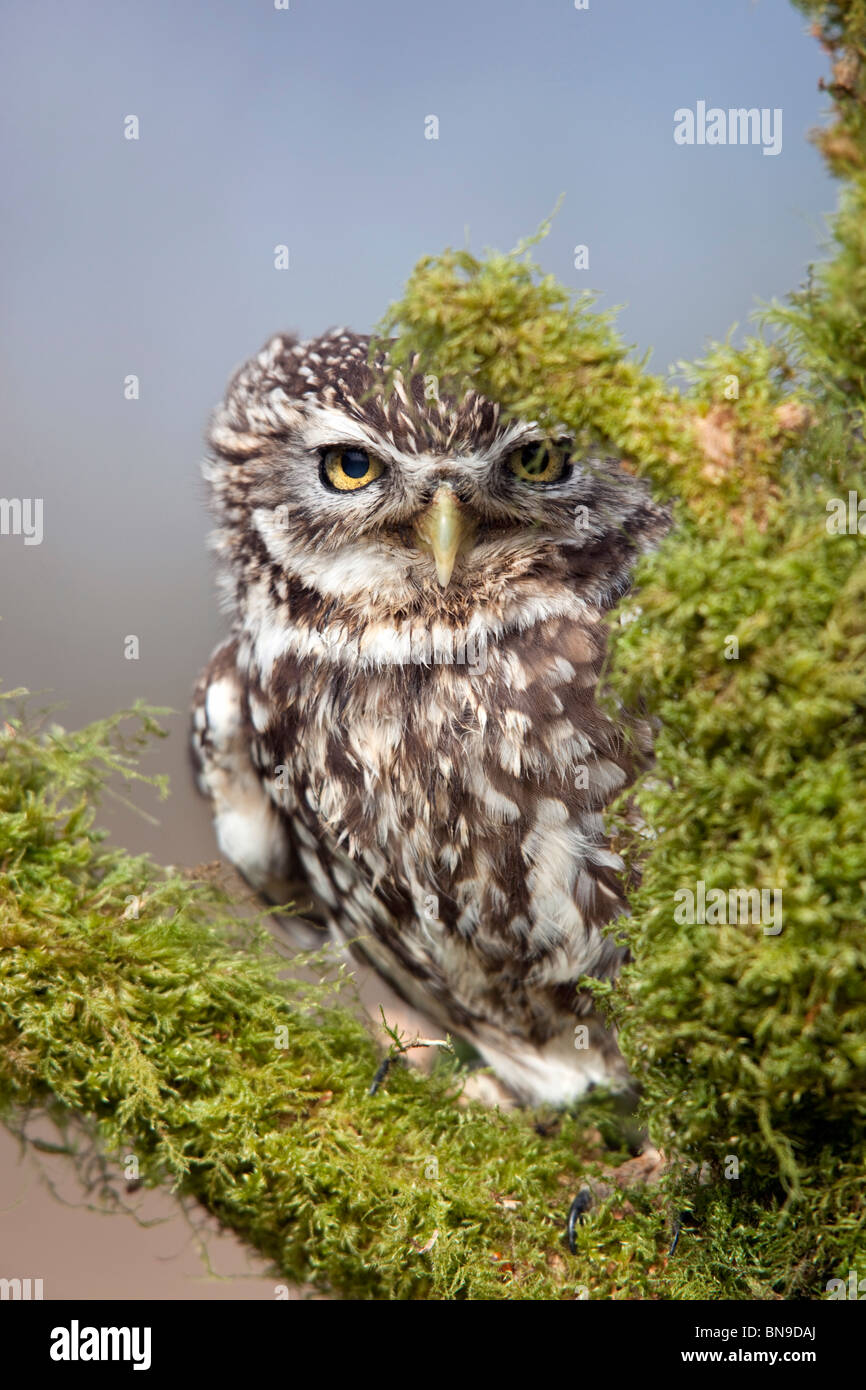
251, 832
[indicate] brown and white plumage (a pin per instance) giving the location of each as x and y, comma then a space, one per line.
418, 740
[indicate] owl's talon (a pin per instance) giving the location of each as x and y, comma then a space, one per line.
381, 1073
675, 1241
580, 1205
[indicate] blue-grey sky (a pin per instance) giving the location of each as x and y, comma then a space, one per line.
307, 127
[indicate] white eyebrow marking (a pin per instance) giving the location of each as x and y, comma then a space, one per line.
325, 425
522, 431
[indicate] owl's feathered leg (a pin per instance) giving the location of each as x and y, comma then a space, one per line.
561, 1069
249, 828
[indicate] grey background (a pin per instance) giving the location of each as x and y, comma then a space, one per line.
306, 127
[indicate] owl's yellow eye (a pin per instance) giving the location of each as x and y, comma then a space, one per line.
539, 462
349, 469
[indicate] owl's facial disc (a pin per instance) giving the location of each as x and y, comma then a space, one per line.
446, 529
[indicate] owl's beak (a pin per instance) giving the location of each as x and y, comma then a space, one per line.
446, 530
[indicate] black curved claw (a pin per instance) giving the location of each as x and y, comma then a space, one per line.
381, 1072
581, 1204
677, 1229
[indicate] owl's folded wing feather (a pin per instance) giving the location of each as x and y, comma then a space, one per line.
250, 830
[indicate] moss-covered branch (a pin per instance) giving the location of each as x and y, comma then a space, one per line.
135, 1002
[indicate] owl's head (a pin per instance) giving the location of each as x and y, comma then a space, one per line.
339, 500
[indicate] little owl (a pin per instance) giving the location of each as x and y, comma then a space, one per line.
404, 717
